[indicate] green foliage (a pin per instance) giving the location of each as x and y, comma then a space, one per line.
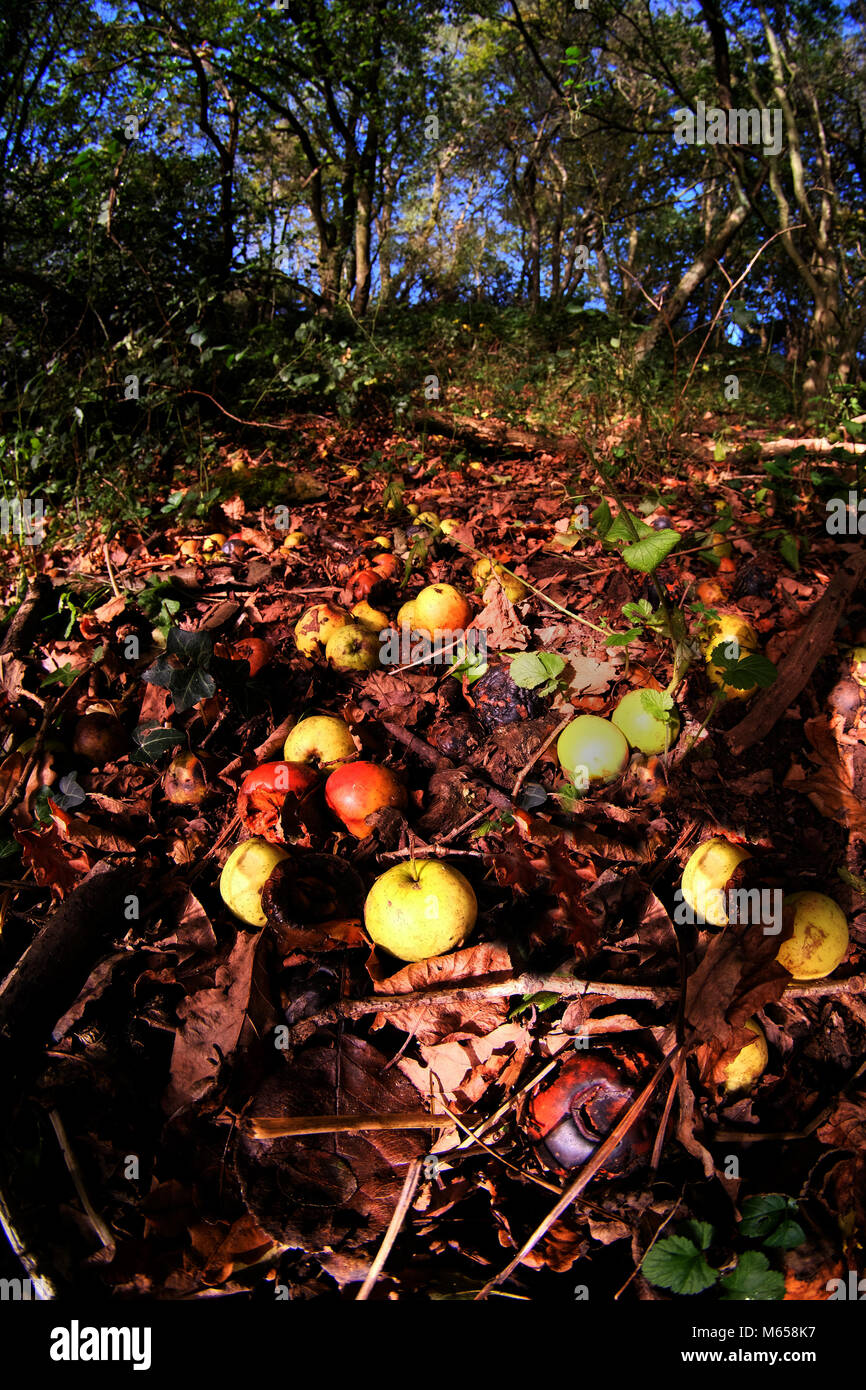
679, 1262
183, 669
539, 671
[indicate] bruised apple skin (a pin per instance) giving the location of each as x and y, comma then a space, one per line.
353, 648
357, 790
244, 875
322, 740
185, 782
419, 909
570, 1116
820, 938
706, 877
263, 793
317, 625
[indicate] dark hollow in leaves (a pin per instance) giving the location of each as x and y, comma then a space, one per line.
309, 888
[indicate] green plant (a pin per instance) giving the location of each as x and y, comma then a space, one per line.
679, 1262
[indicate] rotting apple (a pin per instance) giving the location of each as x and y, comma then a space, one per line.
592, 750
353, 648
483, 571
420, 908
388, 566
255, 651
244, 875
322, 740
317, 624
640, 726
571, 1115
706, 876
264, 791
356, 790
185, 781
99, 738
820, 937
441, 608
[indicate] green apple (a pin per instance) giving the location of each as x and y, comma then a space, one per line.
419, 909
640, 726
593, 750
353, 648
246, 871
322, 740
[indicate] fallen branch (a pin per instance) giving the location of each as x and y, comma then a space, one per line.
291, 1127
803, 657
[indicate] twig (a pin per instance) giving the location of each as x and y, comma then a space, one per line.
112, 578
524, 771
404, 1202
586, 1174
267, 1127
100, 1229
42, 1285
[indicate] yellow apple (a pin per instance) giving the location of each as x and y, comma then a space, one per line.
441, 608
406, 615
640, 726
322, 740
729, 627
820, 939
370, 617
743, 1071
246, 871
317, 625
420, 908
592, 750
706, 876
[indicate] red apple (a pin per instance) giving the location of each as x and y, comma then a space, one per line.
254, 650
263, 793
356, 790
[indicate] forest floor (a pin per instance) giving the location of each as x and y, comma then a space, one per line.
173, 1026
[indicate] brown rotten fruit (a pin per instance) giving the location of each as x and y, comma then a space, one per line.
185, 782
569, 1117
99, 738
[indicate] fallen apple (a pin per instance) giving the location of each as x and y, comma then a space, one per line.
572, 1114
185, 781
317, 624
406, 615
263, 794
730, 630
255, 651
820, 937
356, 790
743, 1071
419, 909
388, 566
294, 540
514, 589
441, 608
592, 751
368, 616
353, 648
706, 877
99, 738
641, 727
321, 740
244, 875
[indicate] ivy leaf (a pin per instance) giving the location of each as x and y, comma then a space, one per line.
189, 685
676, 1263
789, 549
532, 796
648, 554
531, 669
770, 1218
155, 739
194, 648
752, 1280
71, 793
